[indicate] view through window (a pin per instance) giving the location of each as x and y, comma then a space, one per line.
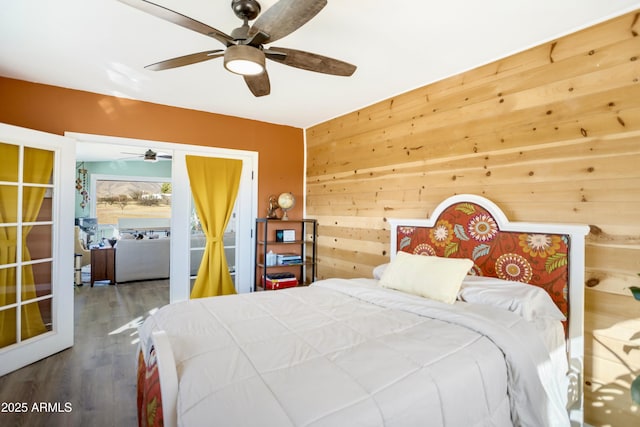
131, 199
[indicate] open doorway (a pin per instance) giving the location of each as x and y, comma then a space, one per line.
181, 222
133, 216
120, 192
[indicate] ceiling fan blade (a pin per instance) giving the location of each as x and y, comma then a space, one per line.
310, 61
283, 18
259, 84
181, 61
180, 19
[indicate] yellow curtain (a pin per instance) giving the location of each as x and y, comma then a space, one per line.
8, 245
37, 169
214, 185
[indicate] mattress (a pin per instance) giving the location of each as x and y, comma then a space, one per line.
348, 352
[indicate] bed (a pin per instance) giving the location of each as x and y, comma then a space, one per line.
484, 330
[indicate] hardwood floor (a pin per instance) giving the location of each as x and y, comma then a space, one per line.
96, 378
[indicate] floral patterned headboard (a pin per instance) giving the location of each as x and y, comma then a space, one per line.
468, 230
550, 256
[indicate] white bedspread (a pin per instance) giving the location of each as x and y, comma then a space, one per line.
349, 353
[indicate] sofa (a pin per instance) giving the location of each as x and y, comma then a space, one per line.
143, 259
148, 259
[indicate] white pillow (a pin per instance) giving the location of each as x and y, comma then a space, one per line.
427, 276
379, 270
529, 301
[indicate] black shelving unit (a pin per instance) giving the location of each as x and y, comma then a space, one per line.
304, 243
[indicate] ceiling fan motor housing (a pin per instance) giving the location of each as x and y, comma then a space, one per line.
150, 156
246, 9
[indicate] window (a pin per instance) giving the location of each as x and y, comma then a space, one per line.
115, 199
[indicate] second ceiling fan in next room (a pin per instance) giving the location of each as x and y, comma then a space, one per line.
151, 156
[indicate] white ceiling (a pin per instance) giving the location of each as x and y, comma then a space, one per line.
102, 46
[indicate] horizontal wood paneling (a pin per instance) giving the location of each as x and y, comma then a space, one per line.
550, 134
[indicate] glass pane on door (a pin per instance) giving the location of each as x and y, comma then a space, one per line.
9, 198
26, 246
9, 169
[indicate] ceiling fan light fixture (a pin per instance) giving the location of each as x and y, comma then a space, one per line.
244, 60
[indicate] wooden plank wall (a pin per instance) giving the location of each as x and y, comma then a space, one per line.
551, 134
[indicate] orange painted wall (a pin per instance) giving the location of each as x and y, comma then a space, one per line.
56, 110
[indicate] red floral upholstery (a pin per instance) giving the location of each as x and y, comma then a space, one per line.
140, 386
149, 395
467, 230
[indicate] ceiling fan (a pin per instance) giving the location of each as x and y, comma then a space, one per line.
245, 51
151, 156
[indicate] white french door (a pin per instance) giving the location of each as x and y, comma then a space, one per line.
36, 245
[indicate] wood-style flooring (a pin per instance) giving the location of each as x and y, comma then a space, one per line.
96, 378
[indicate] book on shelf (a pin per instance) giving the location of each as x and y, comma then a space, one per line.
286, 259
280, 276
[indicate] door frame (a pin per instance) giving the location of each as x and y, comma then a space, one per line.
61, 336
180, 286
